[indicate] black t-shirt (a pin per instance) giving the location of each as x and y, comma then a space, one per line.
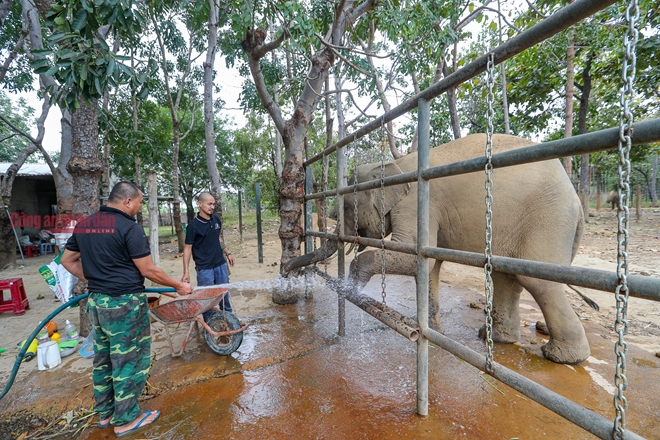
108, 242
204, 236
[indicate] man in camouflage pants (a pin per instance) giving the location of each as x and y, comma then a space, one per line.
110, 251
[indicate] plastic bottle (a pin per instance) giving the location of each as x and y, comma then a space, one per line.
71, 331
42, 336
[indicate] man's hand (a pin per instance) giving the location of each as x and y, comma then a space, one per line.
230, 258
185, 278
184, 289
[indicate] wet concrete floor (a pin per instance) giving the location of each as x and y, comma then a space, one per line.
294, 378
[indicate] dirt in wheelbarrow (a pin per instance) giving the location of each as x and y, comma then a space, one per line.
293, 376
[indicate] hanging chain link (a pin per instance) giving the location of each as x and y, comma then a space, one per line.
488, 267
623, 217
355, 202
383, 293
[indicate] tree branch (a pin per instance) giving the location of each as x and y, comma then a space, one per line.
12, 55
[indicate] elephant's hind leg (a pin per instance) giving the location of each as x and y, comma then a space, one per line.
506, 309
568, 341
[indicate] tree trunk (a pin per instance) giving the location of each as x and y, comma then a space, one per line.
86, 168
654, 180
209, 129
585, 181
451, 101
294, 130
8, 241
62, 177
505, 103
381, 92
176, 201
570, 78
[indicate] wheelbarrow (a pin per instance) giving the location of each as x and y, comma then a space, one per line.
223, 331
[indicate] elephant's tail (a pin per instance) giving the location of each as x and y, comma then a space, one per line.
579, 231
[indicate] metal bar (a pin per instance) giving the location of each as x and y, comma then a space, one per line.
341, 263
639, 286
309, 240
571, 411
260, 242
240, 216
388, 316
543, 30
423, 133
18, 241
644, 133
308, 210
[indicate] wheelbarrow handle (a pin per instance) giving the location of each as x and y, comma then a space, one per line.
161, 291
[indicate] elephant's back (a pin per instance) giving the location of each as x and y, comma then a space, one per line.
474, 145
535, 208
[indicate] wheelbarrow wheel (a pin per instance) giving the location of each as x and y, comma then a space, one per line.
222, 321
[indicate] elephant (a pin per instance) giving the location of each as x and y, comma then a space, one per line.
613, 198
537, 215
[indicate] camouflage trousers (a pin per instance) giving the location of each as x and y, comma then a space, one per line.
122, 349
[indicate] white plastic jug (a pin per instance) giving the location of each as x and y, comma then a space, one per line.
48, 355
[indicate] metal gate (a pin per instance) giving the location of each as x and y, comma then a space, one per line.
638, 286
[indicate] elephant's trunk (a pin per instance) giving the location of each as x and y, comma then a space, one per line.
320, 254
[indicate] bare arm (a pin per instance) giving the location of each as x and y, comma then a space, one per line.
71, 262
187, 252
225, 251
149, 270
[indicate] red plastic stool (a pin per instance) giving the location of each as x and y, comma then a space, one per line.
18, 303
30, 251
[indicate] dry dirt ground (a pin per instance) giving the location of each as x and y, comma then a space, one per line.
598, 251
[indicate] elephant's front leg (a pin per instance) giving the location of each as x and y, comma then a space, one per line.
369, 263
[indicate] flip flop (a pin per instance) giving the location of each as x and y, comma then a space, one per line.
139, 424
101, 425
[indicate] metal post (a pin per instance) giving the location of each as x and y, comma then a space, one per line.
423, 122
308, 210
240, 216
18, 241
309, 245
260, 245
341, 269
153, 217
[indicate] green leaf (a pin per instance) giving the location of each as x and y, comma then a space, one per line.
83, 72
41, 52
97, 84
86, 6
51, 71
80, 20
42, 69
38, 63
111, 68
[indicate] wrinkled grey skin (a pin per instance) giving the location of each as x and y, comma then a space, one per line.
536, 216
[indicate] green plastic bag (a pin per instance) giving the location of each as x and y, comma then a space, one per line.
59, 280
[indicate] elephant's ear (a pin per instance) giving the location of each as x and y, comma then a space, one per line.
393, 194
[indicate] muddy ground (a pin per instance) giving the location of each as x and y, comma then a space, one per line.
293, 337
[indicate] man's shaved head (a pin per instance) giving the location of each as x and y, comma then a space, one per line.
205, 196
124, 190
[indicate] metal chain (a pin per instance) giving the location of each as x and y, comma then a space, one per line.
488, 267
383, 293
355, 202
623, 217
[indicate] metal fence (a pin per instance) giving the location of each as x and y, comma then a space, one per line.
638, 286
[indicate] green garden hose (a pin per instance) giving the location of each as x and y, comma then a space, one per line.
26, 345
